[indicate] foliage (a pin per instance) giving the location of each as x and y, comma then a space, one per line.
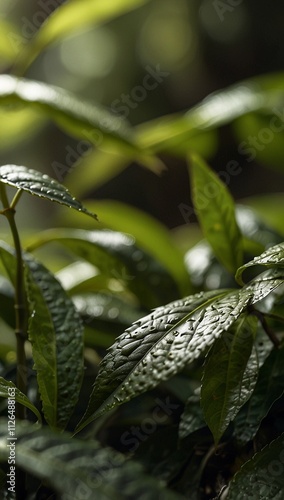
130, 345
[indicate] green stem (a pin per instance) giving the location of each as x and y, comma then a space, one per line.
20, 309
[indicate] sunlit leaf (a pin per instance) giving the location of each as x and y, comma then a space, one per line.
74, 16
273, 257
261, 478
39, 184
216, 213
18, 125
230, 375
9, 390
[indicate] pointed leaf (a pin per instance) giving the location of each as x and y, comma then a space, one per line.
74, 16
91, 122
160, 345
272, 257
261, 478
216, 213
117, 255
79, 469
8, 390
56, 335
268, 389
39, 184
230, 375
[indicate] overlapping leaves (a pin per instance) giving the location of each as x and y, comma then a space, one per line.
168, 339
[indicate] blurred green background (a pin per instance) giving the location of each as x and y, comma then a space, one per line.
201, 46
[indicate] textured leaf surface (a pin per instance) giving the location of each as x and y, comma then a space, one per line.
79, 469
216, 213
272, 257
117, 256
74, 16
91, 122
261, 478
268, 389
8, 389
164, 342
230, 375
39, 184
56, 334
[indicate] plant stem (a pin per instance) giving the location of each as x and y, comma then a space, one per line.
266, 327
20, 309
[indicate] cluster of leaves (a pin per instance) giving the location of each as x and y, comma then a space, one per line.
189, 393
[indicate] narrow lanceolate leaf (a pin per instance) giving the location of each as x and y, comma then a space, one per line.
118, 256
268, 389
230, 375
39, 184
56, 335
74, 15
9, 390
216, 214
160, 345
78, 469
261, 478
272, 257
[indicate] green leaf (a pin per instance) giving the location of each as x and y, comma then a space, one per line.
74, 16
88, 121
79, 469
9, 390
117, 255
39, 184
261, 478
268, 389
7, 299
56, 334
160, 345
230, 375
149, 233
216, 213
272, 257
17, 125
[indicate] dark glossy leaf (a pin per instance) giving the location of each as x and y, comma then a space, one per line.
230, 375
56, 334
117, 256
268, 389
8, 390
216, 214
78, 469
261, 478
39, 184
272, 257
164, 342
